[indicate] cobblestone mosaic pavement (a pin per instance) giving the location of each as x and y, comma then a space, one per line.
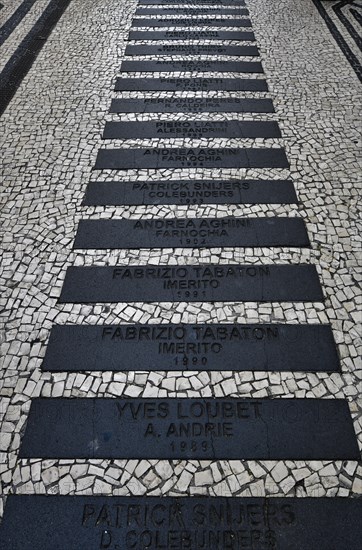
343, 20
52, 132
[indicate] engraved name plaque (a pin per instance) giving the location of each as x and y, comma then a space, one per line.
103, 193
188, 22
191, 233
181, 34
199, 283
191, 129
193, 10
127, 159
182, 523
170, 347
194, 2
191, 105
199, 429
191, 84
191, 49
191, 65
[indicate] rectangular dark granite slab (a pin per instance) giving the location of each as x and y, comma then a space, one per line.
191, 105
40, 522
191, 49
119, 193
196, 429
200, 283
191, 84
187, 22
126, 159
193, 10
211, 347
191, 129
181, 34
192, 65
194, 2
191, 233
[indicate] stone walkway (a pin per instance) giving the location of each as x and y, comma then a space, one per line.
52, 135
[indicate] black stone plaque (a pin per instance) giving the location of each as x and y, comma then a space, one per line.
194, 10
191, 84
191, 49
197, 429
210, 347
191, 129
195, 2
191, 105
199, 283
181, 34
191, 233
40, 522
188, 22
118, 193
125, 159
192, 66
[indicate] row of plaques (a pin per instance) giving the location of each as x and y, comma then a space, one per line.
205, 428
